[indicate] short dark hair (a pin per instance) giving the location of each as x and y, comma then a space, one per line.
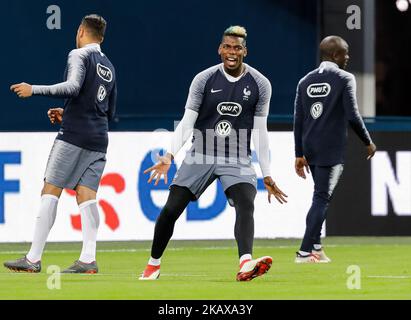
330, 45
236, 31
96, 25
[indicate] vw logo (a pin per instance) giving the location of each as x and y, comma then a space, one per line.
223, 128
316, 110
101, 94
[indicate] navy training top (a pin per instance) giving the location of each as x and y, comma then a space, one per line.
90, 92
325, 104
227, 107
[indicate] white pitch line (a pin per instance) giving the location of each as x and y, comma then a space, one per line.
130, 250
390, 277
178, 249
184, 275
125, 275
71, 251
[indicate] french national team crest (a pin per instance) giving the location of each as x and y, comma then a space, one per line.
247, 93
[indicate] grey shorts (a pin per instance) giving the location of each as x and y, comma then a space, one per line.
69, 166
197, 177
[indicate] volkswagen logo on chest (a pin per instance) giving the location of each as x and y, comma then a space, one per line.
101, 93
316, 110
223, 128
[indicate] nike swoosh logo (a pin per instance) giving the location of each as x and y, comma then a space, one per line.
214, 91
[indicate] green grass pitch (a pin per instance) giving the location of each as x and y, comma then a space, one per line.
206, 270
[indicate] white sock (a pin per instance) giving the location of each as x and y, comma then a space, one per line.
317, 247
154, 262
90, 221
304, 253
245, 257
44, 221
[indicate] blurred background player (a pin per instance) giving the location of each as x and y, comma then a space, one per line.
225, 104
324, 103
78, 156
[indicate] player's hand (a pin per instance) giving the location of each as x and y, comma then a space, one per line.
160, 169
55, 115
371, 150
274, 190
23, 90
300, 164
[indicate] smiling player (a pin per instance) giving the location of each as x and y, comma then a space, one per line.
226, 103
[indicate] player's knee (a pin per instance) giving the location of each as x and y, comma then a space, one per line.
51, 189
249, 208
322, 197
84, 194
169, 212
244, 206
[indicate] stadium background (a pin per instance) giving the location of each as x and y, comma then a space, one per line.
157, 48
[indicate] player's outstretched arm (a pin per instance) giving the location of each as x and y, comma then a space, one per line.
274, 190
183, 131
76, 72
260, 139
160, 169
23, 90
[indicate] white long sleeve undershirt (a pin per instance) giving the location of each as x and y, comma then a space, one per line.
261, 144
183, 131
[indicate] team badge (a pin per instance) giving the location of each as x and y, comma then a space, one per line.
247, 93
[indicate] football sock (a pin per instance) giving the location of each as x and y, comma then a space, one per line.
317, 247
154, 262
44, 221
90, 221
245, 257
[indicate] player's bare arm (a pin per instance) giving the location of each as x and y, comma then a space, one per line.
300, 164
160, 169
23, 90
274, 190
55, 115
